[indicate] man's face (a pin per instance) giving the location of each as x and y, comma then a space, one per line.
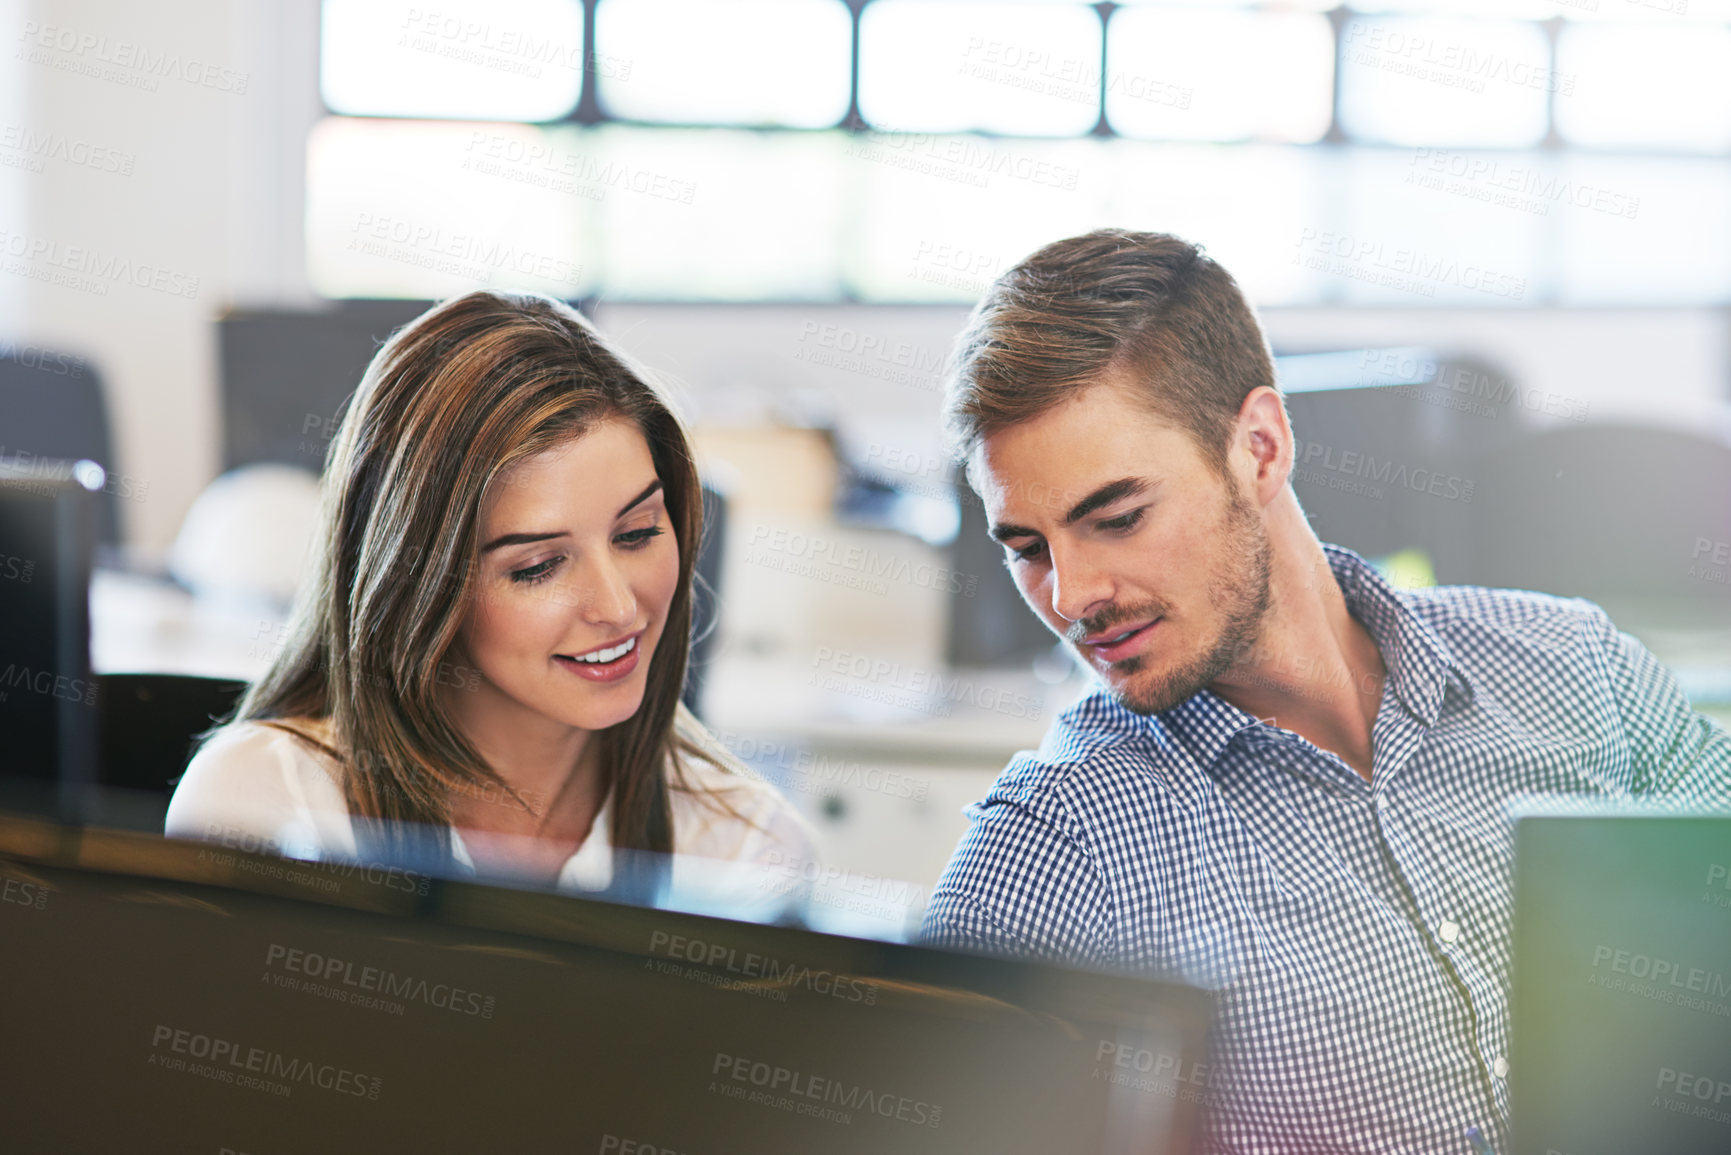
1127, 543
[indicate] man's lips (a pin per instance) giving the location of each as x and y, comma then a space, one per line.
1120, 641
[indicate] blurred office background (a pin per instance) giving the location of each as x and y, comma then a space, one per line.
1491, 240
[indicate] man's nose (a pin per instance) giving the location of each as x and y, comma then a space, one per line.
1079, 588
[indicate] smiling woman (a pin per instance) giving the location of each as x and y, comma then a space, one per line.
487, 664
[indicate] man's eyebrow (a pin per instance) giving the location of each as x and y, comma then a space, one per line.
1104, 496
1100, 498
505, 539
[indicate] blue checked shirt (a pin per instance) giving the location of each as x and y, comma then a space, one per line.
1357, 932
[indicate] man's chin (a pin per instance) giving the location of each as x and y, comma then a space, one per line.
1144, 691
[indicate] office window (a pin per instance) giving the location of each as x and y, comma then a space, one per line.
757, 62
468, 59
937, 218
722, 214
1453, 83
1219, 74
466, 151
1412, 233
1275, 5
952, 65
1248, 205
399, 209
1669, 13
1496, 9
1638, 229
1664, 89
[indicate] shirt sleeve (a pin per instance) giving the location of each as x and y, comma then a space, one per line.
1020, 885
1680, 756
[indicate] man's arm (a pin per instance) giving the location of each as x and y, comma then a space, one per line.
1019, 885
1681, 757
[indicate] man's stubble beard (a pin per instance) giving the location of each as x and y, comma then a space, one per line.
1241, 602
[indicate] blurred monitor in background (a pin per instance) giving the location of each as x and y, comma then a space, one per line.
1386, 444
287, 375
989, 625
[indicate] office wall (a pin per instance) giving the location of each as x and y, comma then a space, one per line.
192, 116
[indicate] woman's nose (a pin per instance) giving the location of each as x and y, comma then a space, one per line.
607, 597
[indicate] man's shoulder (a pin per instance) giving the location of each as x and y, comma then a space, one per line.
1521, 617
1097, 755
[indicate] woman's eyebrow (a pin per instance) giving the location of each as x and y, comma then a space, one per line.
640, 498
505, 539
517, 539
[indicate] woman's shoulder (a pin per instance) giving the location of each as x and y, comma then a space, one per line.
264, 785
261, 749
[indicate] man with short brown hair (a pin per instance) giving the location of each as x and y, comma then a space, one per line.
1290, 782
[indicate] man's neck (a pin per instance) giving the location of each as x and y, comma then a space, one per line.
1315, 669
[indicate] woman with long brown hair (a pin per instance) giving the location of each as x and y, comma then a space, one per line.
487, 661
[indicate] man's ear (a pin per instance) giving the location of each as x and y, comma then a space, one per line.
1262, 445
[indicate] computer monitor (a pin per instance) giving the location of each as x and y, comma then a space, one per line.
169, 996
1621, 992
48, 695
1388, 446
287, 375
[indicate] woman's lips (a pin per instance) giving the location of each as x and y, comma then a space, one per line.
613, 671
1123, 647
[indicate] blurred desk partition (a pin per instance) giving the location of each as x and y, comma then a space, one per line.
172, 997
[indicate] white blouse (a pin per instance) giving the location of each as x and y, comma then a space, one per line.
259, 787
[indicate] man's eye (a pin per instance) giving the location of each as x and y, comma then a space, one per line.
1123, 521
535, 573
1028, 552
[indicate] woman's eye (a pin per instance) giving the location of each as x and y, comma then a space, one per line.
638, 538
535, 573
1126, 521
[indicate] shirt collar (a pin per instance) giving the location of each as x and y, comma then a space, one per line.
1419, 663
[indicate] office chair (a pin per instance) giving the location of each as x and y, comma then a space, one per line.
52, 409
1634, 517
149, 723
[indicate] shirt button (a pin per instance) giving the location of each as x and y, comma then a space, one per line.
1500, 1067
1448, 931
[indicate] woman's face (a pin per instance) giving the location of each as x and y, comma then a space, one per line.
577, 568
